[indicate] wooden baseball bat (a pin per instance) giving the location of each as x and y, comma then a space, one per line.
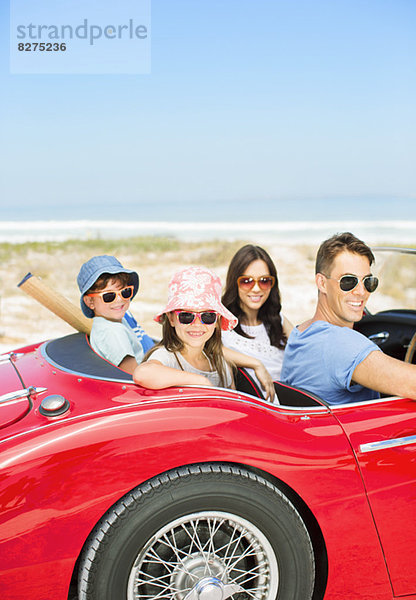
55, 302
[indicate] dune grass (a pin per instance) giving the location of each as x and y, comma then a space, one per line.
155, 258
57, 264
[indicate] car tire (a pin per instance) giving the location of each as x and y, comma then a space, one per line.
203, 531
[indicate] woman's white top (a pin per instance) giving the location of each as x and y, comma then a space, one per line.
170, 359
259, 347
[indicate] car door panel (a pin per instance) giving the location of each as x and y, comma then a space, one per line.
383, 437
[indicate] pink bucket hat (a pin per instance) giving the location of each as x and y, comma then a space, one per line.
197, 289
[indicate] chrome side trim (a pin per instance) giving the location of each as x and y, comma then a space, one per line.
363, 403
25, 393
382, 445
10, 356
236, 394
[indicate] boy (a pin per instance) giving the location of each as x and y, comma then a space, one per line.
107, 289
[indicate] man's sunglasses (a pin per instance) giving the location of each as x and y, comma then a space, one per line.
187, 317
109, 297
247, 283
347, 283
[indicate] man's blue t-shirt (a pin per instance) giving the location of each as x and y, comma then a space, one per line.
322, 360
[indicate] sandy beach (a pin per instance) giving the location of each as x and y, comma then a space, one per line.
24, 321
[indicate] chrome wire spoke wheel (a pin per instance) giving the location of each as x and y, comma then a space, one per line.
209, 555
201, 532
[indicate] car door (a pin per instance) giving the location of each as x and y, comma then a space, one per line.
383, 437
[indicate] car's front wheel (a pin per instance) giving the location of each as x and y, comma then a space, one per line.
207, 532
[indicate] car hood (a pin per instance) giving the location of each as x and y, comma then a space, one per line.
36, 391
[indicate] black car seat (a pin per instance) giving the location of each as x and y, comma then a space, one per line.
290, 396
244, 382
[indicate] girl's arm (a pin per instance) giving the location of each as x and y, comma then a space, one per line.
153, 375
249, 362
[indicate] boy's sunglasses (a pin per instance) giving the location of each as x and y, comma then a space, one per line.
247, 283
347, 283
109, 297
187, 317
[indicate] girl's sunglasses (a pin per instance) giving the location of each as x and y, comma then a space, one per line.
347, 283
187, 317
247, 283
109, 297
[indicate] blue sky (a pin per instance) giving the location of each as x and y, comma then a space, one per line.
248, 101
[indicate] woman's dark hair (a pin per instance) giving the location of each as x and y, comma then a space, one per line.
212, 348
269, 313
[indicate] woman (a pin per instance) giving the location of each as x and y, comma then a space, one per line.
252, 295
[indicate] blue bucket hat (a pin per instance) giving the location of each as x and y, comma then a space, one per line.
93, 269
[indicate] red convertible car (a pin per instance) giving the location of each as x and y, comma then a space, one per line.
114, 492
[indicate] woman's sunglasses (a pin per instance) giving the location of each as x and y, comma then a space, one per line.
187, 317
109, 297
347, 283
247, 283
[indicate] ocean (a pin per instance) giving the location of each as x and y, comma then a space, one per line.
376, 220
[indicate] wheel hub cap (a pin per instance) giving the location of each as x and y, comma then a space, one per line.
195, 568
211, 588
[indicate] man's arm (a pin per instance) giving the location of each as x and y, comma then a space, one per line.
386, 375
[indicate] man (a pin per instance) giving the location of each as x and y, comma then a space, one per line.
325, 355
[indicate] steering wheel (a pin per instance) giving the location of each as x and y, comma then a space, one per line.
411, 349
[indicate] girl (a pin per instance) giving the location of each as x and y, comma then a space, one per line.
252, 294
191, 351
